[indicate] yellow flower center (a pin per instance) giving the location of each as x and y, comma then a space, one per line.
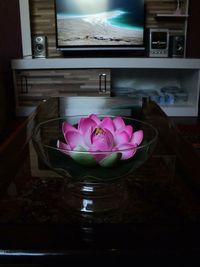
99, 131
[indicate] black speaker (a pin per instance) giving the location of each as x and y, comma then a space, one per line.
39, 46
177, 46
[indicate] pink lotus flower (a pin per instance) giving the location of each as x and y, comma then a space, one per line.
96, 141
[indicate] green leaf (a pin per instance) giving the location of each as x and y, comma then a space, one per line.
82, 158
110, 160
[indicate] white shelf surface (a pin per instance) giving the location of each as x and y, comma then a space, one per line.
187, 111
113, 63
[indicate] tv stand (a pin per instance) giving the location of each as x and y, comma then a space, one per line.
123, 73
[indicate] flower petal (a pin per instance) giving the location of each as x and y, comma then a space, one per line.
110, 160
85, 123
127, 150
67, 127
73, 138
120, 137
63, 147
107, 123
118, 123
87, 137
102, 142
137, 137
129, 130
95, 118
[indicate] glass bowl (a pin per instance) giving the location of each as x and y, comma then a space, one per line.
91, 188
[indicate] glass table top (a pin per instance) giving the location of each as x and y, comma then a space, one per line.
159, 191
163, 193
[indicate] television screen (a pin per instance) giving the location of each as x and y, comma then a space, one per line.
99, 24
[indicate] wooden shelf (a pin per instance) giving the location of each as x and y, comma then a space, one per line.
173, 16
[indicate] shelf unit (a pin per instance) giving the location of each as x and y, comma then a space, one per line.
179, 14
135, 73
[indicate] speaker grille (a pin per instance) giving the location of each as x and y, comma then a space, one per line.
39, 46
177, 46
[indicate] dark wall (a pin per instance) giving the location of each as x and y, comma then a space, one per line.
10, 47
193, 40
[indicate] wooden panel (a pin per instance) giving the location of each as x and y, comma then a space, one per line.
42, 84
43, 20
